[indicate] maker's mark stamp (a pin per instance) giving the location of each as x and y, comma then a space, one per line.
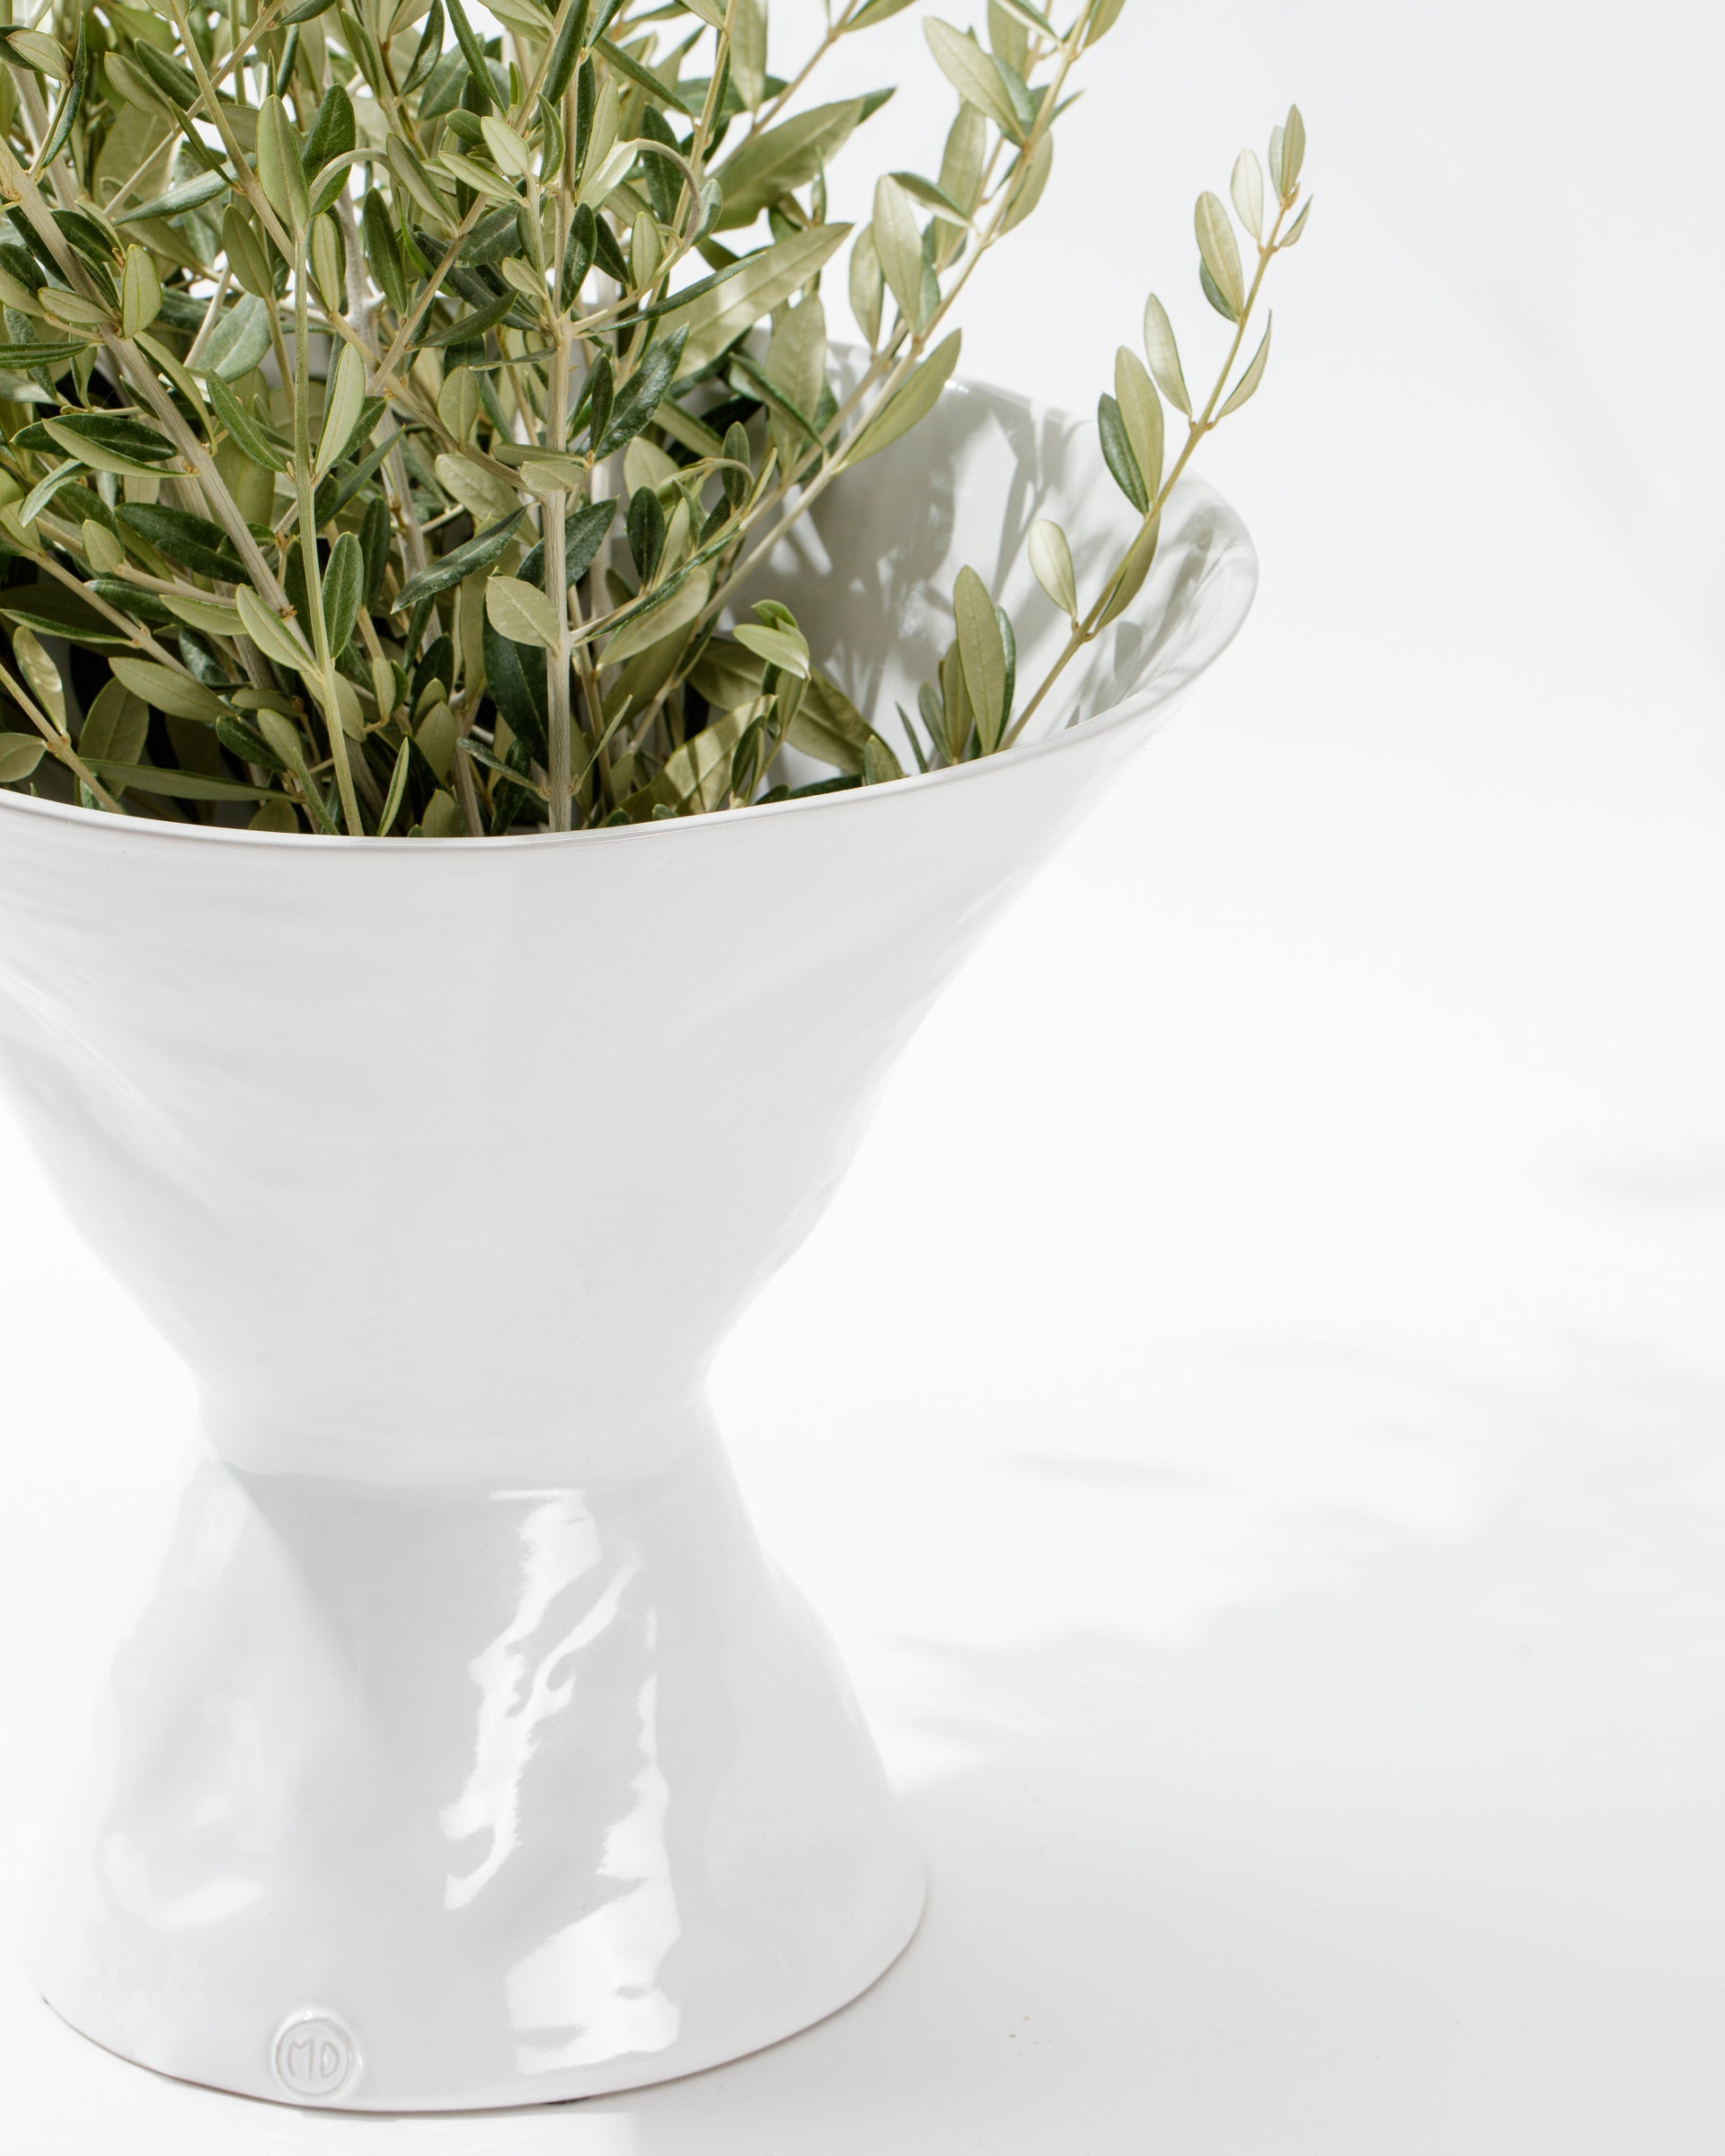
315, 2056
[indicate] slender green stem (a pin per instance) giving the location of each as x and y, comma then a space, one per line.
305, 485
1085, 631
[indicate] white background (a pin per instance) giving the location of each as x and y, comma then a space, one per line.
1256, 1415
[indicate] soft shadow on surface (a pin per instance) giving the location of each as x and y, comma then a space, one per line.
871, 584
1424, 1859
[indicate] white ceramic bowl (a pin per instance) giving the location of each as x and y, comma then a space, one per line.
470, 1751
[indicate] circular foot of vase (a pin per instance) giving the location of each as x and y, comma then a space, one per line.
316, 2060
454, 1797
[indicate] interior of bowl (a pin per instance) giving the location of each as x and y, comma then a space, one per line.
869, 572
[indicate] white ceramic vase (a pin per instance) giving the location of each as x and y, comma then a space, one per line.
470, 1751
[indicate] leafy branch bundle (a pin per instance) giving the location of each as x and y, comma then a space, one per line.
392, 421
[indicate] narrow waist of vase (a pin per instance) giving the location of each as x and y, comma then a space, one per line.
587, 1442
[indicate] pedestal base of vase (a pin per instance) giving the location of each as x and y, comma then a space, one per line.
457, 1795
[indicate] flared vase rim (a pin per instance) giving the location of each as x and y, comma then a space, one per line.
1192, 494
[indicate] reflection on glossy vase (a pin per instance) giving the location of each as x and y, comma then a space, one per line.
470, 1751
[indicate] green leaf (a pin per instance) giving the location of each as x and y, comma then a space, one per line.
239, 341
140, 292
1051, 562
522, 613
95, 453
193, 195
213, 617
913, 400
749, 51
167, 692
115, 726
280, 173
1133, 570
447, 569
247, 255
982, 653
42, 675
46, 488
247, 433
20, 753
126, 436
828, 725
780, 648
639, 398
1220, 251
71, 103
1252, 376
1117, 452
345, 400
783, 157
1140, 409
332, 133
271, 634
973, 75
565, 50
473, 53
384, 252
33, 48
876, 11
175, 785
674, 606
1030, 187
391, 807
193, 542
868, 286
54, 610
645, 529
1247, 187
1164, 354
583, 529
468, 329
696, 776
1293, 149
898, 244
53, 353
132, 599
719, 317
1104, 15
344, 579
514, 676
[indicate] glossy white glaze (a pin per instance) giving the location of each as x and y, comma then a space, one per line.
470, 1752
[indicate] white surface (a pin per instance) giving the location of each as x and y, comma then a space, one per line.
1292, 1252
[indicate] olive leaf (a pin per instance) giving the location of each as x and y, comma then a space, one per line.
1220, 251
982, 654
911, 402
1050, 556
1117, 454
177, 693
344, 580
1253, 375
20, 753
341, 413
1164, 354
974, 73
522, 613
722, 315
1140, 410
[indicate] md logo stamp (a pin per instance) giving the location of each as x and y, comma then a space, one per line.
315, 2056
